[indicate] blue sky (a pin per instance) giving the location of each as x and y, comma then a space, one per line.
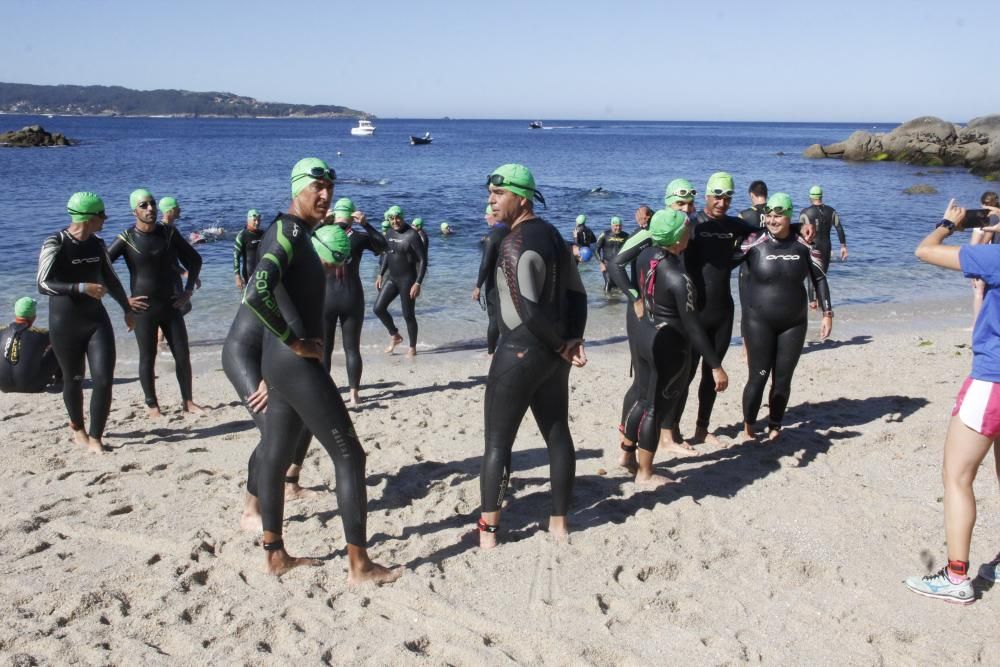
765, 61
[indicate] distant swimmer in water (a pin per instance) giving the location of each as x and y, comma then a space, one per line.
758, 200
29, 364
245, 248
151, 253
816, 221
487, 278
299, 390
543, 313
345, 295
776, 313
74, 270
401, 276
446, 229
608, 244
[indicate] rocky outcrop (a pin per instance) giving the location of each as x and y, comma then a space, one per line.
925, 141
33, 135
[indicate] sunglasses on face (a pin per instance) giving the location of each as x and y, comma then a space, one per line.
777, 210
146, 204
318, 172
683, 193
719, 192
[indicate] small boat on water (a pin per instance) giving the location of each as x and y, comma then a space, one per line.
364, 128
418, 141
535, 125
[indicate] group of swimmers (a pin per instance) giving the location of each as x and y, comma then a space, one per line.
300, 277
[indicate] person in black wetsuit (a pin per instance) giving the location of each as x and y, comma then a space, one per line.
543, 313
638, 251
776, 312
714, 238
821, 218
241, 360
487, 278
151, 253
345, 296
75, 272
245, 248
758, 200
583, 236
418, 224
299, 390
401, 275
29, 364
608, 244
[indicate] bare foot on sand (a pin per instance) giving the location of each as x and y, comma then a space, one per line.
153, 412
559, 528
278, 562
410, 353
772, 436
355, 398
194, 408
250, 520
626, 459
79, 436
651, 480
702, 436
671, 442
395, 340
363, 570
296, 492
748, 435
95, 446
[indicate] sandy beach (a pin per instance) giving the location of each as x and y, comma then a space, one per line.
792, 553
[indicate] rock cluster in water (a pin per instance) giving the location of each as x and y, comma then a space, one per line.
33, 135
926, 141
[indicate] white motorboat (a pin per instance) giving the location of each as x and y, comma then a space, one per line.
364, 128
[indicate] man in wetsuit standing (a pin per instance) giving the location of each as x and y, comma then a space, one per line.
76, 273
543, 313
820, 218
758, 200
29, 365
708, 259
608, 244
487, 277
345, 295
245, 248
401, 275
152, 253
299, 390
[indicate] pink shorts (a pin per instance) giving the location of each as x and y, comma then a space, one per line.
978, 406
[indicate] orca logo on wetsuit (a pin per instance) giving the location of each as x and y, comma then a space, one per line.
790, 258
85, 260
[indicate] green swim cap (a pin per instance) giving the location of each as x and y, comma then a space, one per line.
83, 206
720, 180
253, 213
444, 226
393, 211
386, 225
615, 220
418, 223
138, 195
780, 203
168, 204
25, 308
331, 244
816, 192
310, 169
343, 208
580, 219
667, 226
674, 190
515, 178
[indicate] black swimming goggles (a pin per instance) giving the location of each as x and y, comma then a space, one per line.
99, 214
719, 192
318, 172
498, 180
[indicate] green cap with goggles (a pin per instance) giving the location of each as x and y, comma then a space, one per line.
720, 184
816, 192
25, 308
138, 196
615, 220
331, 244
679, 189
83, 206
779, 204
310, 169
394, 212
253, 213
515, 178
343, 208
667, 227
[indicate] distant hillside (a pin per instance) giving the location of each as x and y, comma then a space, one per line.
25, 98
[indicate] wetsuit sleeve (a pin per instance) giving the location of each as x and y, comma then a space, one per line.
599, 246
840, 228
489, 260
626, 255
376, 241
421, 251
685, 295
259, 296
117, 248
111, 281
575, 294
238, 256
189, 257
743, 250
818, 277
46, 263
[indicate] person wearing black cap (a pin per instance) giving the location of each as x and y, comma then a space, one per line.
758, 198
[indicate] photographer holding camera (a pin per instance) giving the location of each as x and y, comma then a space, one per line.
975, 421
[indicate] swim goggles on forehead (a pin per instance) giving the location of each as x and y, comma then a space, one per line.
338, 257
777, 210
683, 192
719, 192
498, 180
318, 172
